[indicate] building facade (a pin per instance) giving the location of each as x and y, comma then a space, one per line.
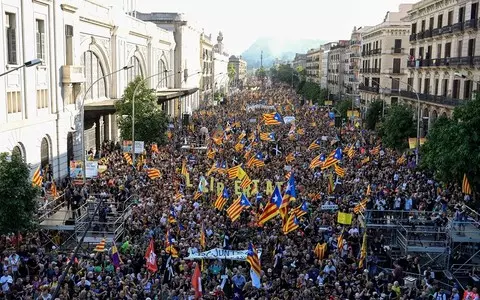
444, 57
206, 58
187, 67
353, 62
299, 62
384, 59
324, 65
240, 67
80, 43
220, 66
313, 64
336, 69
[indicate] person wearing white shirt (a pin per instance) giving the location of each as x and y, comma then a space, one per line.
6, 281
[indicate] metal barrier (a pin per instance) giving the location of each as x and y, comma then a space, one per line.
428, 238
394, 217
51, 208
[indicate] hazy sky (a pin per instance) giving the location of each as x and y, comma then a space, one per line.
242, 22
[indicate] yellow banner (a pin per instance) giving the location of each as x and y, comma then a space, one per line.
412, 142
344, 218
354, 113
328, 102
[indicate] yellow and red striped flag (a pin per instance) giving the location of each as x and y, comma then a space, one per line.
339, 170
466, 188
128, 158
290, 157
320, 250
153, 173
53, 189
100, 247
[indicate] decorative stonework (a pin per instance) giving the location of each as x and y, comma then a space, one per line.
105, 43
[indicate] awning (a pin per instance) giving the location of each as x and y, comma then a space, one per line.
166, 95
107, 105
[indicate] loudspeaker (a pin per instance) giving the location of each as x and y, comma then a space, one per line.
70, 221
186, 119
338, 121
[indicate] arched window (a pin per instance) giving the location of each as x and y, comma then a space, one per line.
44, 153
17, 151
93, 70
163, 75
132, 73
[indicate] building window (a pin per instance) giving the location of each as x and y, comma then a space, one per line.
14, 102
40, 36
132, 73
93, 71
68, 45
163, 75
11, 35
42, 98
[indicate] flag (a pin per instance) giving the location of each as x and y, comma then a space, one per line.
128, 158
340, 241
315, 145
350, 152
402, 159
363, 252
53, 189
365, 160
184, 171
235, 210
203, 238
169, 248
375, 150
333, 159
255, 266
246, 181
116, 260
360, 207
344, 218
267, 137
369, 191
291, 191
222, 199
320, 250
272, 208
179, 196
292, 224
214, 168
151, 257
339, 170
301, 131
153, 173
272, 119
256, 161
155, 148
172, 217
466, 188
301, 210
239, 146
211, 153
289, 158
317, 161
100, 247
233, 172
197, 282
330, 184
37, 178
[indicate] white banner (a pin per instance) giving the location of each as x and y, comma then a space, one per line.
91, 169
289, 119
260, 106
219, 253
329, 207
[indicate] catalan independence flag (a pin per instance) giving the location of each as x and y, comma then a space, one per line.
256, 161
272, 119
317, 161
267, 137
222, 199
339, 170
292, 224
272, 208
255, 266
315, 145
237, 207
333, 159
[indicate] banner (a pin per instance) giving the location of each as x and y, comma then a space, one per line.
218, 253
91, 169
353, 113
289, 119
329, 207
328, 102
76, 169
412, 142
139, 146
344, 218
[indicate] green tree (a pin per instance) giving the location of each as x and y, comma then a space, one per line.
453, 145
18, 204
231, 72
261, 73
343, 106
397, 127
150, 121
374, 114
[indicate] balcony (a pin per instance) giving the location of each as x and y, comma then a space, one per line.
420, 36
411, 63
398, 50
439, 100
395, 71
447, 29
72, 74
466, 61
373, 89
436, 32
454, 61
470, 24
413, 37
427, 34
457, 27
376, 51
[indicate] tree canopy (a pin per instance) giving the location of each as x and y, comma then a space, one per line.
18, 204
397, 127
374, 114
452, 147
261, 73
150, 121
284, 73
342, 107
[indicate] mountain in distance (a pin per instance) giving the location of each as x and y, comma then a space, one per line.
276, 48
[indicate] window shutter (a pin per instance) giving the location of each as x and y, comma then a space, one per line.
12, 46
42, 45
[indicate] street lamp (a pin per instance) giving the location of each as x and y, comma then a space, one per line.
133, 104
28, 64
82, 116
417, 144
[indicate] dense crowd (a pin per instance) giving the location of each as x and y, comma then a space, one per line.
165, 210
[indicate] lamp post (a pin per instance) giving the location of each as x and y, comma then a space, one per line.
417, 144
28, 64
82, 116
133, 104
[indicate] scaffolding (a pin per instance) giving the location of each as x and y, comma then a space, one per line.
437, 246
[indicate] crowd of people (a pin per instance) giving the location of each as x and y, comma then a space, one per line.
182, 220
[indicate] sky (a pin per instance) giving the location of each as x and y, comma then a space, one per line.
242, 22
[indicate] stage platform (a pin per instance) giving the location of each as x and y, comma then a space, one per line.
56, 221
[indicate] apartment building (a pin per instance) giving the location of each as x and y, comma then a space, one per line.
336, 69
324, 64
444, 57
220, 66
240, 67
353, 62
300, 61
313, 64
384, 59
84, 46
206, 58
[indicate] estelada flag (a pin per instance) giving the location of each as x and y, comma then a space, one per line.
151, 258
